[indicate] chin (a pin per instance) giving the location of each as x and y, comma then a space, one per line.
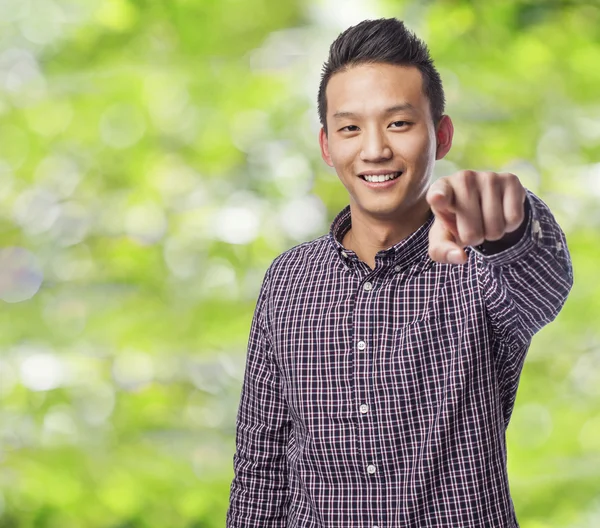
383, 211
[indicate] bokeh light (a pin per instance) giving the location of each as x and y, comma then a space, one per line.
20, 274
155, 158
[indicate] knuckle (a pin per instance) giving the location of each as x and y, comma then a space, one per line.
460, 176
514, 220
434, 253
511, 179
471, 237
492, 180
494, 229
468, 177
494, 234
435, 186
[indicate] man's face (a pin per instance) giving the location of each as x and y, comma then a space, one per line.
379, 124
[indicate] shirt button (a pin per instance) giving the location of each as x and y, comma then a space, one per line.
371, 469
364, 408
344, 254
362, 345
397, 269
367, 286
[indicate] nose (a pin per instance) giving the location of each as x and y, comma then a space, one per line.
375, 147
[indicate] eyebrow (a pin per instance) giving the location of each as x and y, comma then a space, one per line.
391, 110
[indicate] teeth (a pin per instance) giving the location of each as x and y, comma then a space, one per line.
381, 178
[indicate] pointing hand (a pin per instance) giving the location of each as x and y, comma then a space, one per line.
471, 207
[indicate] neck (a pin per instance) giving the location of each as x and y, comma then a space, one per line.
370, 234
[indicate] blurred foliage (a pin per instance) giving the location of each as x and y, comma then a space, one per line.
155, 156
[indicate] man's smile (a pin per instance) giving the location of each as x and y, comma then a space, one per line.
380, 179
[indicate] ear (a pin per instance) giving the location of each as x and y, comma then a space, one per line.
444, 133
325, 147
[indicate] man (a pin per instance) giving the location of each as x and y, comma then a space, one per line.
384, 358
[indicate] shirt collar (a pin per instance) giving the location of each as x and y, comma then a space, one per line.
407, 251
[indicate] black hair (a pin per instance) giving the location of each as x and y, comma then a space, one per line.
386, 41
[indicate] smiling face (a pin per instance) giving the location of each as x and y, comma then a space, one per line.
380, 128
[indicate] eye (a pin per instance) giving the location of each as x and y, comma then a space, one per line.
399, 124
349, 128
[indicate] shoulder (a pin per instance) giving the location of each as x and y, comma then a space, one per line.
296, 272
297, 259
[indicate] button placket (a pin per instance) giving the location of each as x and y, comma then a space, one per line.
364, 350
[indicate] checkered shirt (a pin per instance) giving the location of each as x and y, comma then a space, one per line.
380, 398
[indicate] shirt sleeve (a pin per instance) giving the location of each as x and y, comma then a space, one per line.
525, 286
259, 489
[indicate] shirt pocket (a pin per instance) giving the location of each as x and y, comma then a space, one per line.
420, 357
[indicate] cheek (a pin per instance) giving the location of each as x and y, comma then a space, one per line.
342, 153
417, 149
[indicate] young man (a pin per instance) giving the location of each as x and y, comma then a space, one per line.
384, 358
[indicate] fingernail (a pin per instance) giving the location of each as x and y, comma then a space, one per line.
455, 256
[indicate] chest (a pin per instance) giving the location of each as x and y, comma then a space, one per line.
405, 338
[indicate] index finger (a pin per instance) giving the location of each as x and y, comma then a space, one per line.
441, 198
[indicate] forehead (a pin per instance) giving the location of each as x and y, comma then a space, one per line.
368, 88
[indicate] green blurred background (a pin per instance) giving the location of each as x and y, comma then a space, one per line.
156, 155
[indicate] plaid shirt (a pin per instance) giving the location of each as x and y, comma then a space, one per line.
380, 397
